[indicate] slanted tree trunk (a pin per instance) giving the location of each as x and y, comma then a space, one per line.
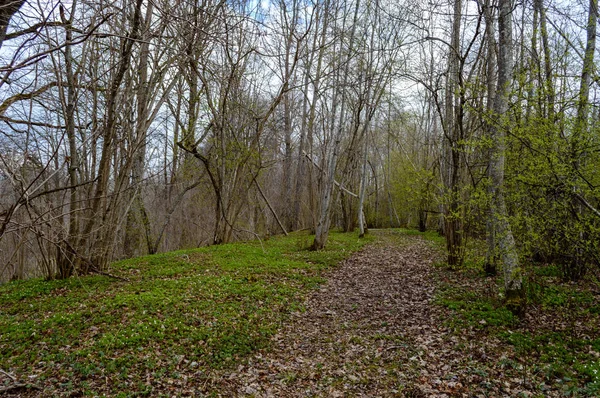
575, 266
581, 124
506, 248
7, 10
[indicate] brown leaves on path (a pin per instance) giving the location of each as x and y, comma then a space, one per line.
371, 330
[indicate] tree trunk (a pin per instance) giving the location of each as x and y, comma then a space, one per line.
576, 267
513, 279
286, 194
548, 83
322, 230
491, 260
137, 217
98, 207
453, 223
361, 196
66, 261
7, 10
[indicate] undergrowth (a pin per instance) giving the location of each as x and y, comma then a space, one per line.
559, 339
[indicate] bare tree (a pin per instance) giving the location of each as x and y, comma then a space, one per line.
323, 225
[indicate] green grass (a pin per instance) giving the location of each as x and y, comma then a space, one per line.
429, 235
209, 307
558, 356
561, 356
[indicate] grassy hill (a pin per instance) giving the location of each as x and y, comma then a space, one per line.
179, 313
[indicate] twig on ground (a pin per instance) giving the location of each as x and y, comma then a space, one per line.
17, 386
95, 271
13, 378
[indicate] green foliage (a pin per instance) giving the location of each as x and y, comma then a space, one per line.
547, 270
545, 180
546, 289
564, 348
208, 306
432, 236
414, 189
474, 310
560, 356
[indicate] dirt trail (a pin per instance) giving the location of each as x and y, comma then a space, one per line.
371, 330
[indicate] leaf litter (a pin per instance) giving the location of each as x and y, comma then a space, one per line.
370, 330
374, 328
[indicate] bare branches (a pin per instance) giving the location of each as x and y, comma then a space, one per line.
24, 97
33, 29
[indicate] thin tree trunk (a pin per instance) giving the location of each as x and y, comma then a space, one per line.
548, 84
491, 259
513, 279
452, 217
306, 123
322, 231
578, 267
286, 194
66, 261
108, 145
534, 64
586, 76
137, 213
361, 195
313, 186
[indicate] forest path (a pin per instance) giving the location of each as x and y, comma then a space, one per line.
370, 330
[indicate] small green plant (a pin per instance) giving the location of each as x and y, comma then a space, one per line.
474, 310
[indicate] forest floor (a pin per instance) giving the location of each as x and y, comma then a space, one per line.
390, 320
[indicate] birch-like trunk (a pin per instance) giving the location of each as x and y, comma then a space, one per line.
506, 248
361, 195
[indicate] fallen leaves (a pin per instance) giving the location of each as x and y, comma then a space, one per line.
358, 333
373, 329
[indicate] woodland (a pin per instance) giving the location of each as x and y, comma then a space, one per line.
150, 149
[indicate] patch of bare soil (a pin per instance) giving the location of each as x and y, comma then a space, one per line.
371, 330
